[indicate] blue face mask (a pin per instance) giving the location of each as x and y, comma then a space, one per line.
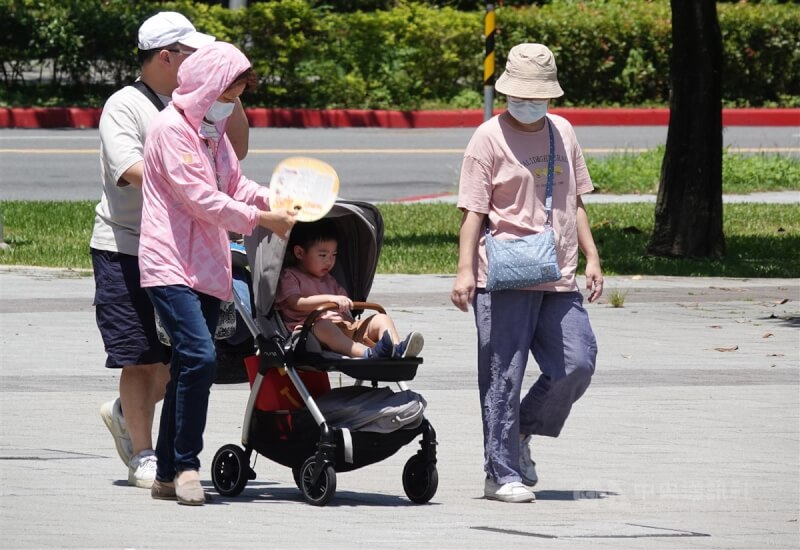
527, 111
219, 111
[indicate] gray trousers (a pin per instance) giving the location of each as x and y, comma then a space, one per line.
555, 328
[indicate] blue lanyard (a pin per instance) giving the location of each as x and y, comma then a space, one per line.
548, 199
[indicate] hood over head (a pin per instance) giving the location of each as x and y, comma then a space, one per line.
204, 75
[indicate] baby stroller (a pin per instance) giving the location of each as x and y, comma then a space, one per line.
305, 439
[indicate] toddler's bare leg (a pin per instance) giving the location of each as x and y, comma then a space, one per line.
380, 323
334, 339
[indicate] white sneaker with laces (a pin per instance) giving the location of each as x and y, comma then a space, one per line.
142, 469
527, 467
508, 492
111, 413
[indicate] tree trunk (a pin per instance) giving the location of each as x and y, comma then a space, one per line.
688, 216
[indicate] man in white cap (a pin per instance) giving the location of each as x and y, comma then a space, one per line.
512, 163
124, 312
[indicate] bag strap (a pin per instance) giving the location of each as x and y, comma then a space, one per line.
149, 94
548, 199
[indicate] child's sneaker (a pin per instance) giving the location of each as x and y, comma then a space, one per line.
508, 492
383, 349
527, 467
111, 413
411, 346
142, 469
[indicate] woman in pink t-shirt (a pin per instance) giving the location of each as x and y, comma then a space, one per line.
502, 188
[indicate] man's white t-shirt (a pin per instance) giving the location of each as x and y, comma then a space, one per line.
123, 127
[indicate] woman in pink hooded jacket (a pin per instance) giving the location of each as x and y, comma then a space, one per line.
194, 193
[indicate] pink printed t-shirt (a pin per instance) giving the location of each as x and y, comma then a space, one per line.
504, 175
296, 282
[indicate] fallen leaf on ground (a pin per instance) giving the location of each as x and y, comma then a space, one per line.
775, 355
768, 335
714, 326
732, 348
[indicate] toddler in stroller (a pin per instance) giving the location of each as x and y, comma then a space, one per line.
304, 425
306, 284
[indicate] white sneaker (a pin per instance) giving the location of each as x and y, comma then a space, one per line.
509, 492
527, 467
142, 469
111, 413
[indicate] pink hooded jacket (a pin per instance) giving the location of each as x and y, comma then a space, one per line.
190, 199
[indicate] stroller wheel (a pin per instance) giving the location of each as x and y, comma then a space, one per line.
230, 470
420, 480
317, 493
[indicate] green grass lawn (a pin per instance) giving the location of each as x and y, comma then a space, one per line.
638, 173
762, 240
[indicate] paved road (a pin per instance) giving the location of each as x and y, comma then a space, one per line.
373, 164
677, 444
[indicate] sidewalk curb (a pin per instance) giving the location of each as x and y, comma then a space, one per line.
259, 117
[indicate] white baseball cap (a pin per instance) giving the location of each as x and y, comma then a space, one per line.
169, 27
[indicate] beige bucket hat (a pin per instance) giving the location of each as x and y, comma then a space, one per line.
530, 73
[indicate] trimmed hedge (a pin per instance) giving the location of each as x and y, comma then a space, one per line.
609, 52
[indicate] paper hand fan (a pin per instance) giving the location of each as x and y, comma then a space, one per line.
305, 184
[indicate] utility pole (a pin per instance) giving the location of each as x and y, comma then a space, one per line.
488, 63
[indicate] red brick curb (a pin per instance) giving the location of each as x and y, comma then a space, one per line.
77, 117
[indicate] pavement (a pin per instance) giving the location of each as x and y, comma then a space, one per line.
689, 436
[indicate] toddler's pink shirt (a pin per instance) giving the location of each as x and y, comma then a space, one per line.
296, 282
504, 175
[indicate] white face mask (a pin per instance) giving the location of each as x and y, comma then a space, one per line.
219, 111
527, 111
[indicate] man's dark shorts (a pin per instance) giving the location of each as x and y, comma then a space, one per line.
124, 313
